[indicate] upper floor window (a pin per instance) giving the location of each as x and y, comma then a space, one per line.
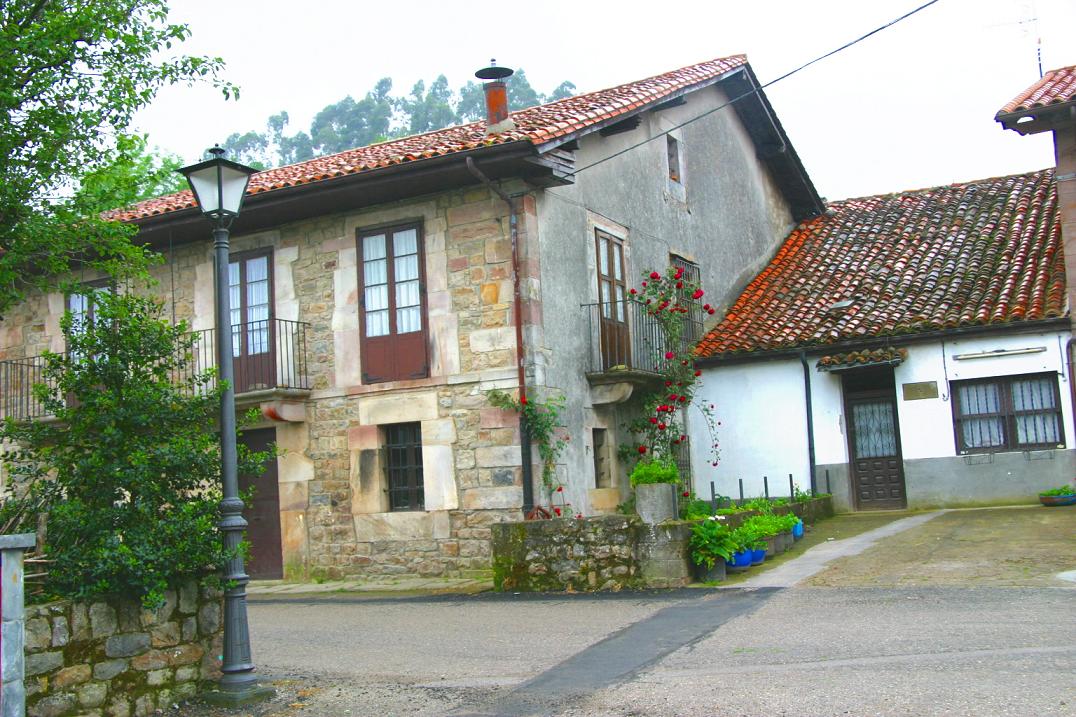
1007, 413
393, 313
83, 303
672, 146
693, 325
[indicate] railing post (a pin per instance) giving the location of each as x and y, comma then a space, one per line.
12, 627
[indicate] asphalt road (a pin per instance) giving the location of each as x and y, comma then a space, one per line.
806, 650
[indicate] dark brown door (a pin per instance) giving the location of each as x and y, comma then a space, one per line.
266, 560
391, 279
612, 296
251, 285
874, 441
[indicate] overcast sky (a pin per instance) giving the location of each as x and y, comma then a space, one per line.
911, 107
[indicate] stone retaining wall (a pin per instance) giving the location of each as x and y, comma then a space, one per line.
607, 552
113, 658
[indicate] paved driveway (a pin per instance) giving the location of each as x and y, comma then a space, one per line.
893, 630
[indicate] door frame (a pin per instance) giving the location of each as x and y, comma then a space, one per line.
613, 333
847, 397
246, 365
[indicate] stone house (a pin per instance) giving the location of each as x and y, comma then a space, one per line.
379, 293
913, 349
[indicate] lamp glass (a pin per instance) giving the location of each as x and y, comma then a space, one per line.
219, 188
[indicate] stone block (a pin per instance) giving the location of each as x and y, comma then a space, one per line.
42, 662
57, 705
152, 660
497, 456
209, 618
293, 495
504, 477
409, 525
188, 598
499, 339
165, 634
187, 654
120, 706
376, 410
80, 622
127, 644
441, 431
38, 635
156, 678
71, 676
144, 706
61, 635
93, 694
186, 674
498, 418
103, 621
108, 669
439, 477
493, 498
189, 629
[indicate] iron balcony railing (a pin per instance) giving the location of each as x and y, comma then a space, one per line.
267, 355
623, 336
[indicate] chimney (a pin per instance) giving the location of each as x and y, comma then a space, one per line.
497, 119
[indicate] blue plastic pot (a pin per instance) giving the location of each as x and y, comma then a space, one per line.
757, 556
740, 562
797, 530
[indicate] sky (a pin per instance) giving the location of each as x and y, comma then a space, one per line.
910, 107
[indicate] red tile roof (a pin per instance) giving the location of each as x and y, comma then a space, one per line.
973, 254
1056, 87
854, 359
536, 125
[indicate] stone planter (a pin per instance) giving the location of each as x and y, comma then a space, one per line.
706, 574
774, 546
785, 540
655, 502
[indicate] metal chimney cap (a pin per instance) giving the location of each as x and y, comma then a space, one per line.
493, 72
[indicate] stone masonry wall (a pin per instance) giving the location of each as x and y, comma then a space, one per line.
112, 658
609, 552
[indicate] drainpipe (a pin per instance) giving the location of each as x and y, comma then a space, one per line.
517, 313
810, 420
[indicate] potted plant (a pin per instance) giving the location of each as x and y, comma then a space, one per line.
785, 524
742, 557
1063, 495
655, 484
711, 545
797, 529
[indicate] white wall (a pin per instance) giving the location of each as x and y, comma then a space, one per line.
926, 426
761, 409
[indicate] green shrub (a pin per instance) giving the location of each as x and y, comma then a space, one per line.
128, 473
694, 509
1062, 490
646, 472
711, 541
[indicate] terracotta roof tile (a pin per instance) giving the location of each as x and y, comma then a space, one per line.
979, 253
855, 359
536, 125
1056, 87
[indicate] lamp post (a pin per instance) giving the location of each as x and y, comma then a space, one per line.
219, 186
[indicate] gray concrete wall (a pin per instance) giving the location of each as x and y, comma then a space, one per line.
986, 479
728, 216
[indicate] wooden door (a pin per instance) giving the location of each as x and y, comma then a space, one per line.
874, 443
266, 561
612, 298
251, 296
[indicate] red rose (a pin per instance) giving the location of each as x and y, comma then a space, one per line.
633, 292
579, 516
669, 354
711, 312
683, 438
706, 307
679, 284
687, 494
698, 294
648, 301
642, 450
655, 275
653, 420
683, 398
560, 489
523, 401
557, 511
668, 383
662, 426
644, 284
698, 373
679, 272
673, 396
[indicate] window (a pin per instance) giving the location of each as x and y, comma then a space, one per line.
403, 466
693, 328
603, 472
612, 298
392, 299
672, 146
250, 292
1007, 413
82, 305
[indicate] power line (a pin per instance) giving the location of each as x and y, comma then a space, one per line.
758, 89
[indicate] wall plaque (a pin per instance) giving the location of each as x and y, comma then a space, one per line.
917, 391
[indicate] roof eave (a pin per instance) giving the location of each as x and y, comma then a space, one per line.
349, 192
871, 342
1044, 118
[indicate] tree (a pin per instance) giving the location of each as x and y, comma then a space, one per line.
72, 76
127, 474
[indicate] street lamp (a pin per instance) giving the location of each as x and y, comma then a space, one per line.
219, 185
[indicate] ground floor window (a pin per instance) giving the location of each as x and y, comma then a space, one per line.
403, 466
1007, 413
